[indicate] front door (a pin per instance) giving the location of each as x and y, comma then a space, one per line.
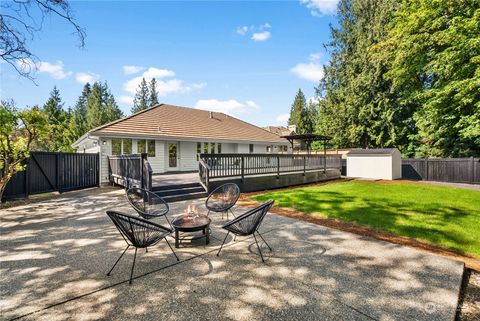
172, 156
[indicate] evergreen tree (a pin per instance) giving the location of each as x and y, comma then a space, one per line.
78, 122
360, 109
101, 106
58, 122
153, 93
141, 99
298, 113
94, 106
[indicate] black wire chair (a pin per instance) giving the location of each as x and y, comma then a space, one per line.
222, 199
139, 233
248, 224
147, 204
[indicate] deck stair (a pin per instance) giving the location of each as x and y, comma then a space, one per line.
180, 192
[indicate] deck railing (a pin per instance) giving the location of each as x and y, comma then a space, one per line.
130, 170
241, 165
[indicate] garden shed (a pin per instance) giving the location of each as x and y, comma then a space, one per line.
385, 163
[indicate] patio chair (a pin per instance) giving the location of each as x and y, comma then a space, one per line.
222, 199
248, 224
147, 204
139, 233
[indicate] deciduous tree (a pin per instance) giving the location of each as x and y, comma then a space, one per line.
20, 132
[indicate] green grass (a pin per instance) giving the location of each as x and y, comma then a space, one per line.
444, 216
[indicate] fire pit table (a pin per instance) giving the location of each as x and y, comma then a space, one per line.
191, 223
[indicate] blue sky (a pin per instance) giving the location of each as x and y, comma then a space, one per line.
247, 59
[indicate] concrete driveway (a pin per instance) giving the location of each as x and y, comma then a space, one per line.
55, 253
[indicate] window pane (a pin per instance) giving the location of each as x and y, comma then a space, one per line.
141, 146
212, 148
127, 146
219, 148
116, 146
199, 150
250, 147
205, 148
151, 148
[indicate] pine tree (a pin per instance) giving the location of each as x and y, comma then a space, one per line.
298, 112
94, 107
360, 109
153, 93
58, 122
78, 122
141, 99
101, 106
54, 106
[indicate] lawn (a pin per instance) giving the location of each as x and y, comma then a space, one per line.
444, 216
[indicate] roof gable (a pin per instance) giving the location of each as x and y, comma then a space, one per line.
182, 122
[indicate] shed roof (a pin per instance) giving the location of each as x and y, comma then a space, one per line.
181, 122
372, 151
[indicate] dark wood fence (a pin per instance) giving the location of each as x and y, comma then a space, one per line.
130, 170
54, 172
455, 170
241, 165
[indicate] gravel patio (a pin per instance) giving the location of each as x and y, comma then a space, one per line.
55, 253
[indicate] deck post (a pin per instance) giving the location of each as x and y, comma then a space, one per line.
243, 167
278, 166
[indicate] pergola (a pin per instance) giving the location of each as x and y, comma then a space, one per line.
308, 139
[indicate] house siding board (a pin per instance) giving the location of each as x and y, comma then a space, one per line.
188, 156
106, 150
158, 162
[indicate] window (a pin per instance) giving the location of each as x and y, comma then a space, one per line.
219, 148
250, 148
151, 148
127, 146
269, 149
116, 146
141, 146
205, 148
212, 148
199, 150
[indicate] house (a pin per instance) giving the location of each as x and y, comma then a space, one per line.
281, 130
173, 136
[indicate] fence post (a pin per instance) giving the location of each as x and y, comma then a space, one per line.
27, 177
426, 168
472, 166
304, 165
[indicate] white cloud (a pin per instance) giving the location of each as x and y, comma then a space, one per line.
231, 106
53, 69
282, 119
242, 30
164, 86
258, 33
312, 100
129, 70
84, 77
127, 100
261, 36
312, 71
321, 8
153, 72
